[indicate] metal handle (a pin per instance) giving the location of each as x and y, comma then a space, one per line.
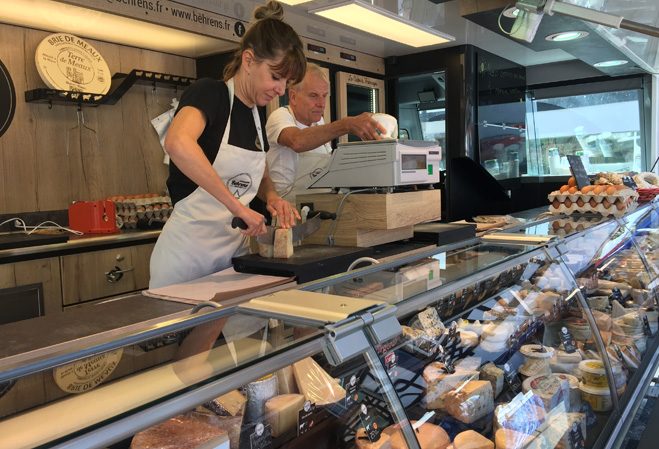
116, 273
362, 259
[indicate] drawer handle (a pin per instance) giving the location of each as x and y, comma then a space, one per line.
115, 274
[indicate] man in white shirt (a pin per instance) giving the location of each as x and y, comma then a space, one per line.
299, 139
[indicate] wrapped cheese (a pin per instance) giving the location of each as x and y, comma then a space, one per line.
315, 384
471, 402
180, 432
281, 412
439, 383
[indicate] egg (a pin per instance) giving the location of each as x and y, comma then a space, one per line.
580, 227
564, 189
599, 189
620, 205
573, 189
555, 225
621, 187
567, 227
572, 182
580, 202
567, 202
166, 206
587, 189
120, 198
592, 202
611, 190
606, 203
139, 197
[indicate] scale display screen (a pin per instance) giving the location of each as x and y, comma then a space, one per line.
413, 161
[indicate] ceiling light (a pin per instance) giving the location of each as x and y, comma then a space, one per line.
511, 12
567, 36
294, 2
612, 63
368, 18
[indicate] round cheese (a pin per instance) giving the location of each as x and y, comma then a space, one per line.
428, 435
471, 440
88, 373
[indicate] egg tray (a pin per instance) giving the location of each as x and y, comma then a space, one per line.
130, 211
564, 226
616, 204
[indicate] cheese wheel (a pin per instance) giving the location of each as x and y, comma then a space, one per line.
362, 441
281, 412
510, 439
428, 435
283, 246
471, 440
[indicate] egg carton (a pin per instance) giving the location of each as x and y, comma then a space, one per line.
616, 204
132, 210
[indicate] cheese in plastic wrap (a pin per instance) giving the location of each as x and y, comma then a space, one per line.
180, 432
315, 384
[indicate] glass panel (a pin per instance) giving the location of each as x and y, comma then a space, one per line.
407, 280
603, 128
644, 224
509, 367
110, 385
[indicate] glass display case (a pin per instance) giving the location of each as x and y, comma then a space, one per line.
530, 338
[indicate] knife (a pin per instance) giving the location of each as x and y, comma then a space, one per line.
300, 231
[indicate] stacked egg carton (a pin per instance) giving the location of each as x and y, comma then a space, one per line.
131, 208
605, 200
564, 226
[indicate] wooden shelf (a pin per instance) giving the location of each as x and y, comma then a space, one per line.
121, 82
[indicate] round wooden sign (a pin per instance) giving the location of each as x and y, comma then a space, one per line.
86, 374
66, 62
7, 99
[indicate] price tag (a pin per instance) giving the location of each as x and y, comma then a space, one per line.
568, 340
578, 171
351, 386
305, 418
370, 426
576, 437
261, 438
390, 363
616, 295
646, 326
587, 409
512, 379
620, 357
629, 182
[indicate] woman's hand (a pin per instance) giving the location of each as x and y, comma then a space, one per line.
283, 209
255, 222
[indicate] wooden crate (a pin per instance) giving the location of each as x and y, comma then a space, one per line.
373, 219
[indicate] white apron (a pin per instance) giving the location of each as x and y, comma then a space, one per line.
197, 239
309, 165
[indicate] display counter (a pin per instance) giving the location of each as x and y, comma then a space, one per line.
539, 336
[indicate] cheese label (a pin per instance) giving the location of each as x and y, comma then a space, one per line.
88, 373
350, 386
371, 427
587, 409
576, 437
568, 340
305, 418
646, 326
261, 438
512, 379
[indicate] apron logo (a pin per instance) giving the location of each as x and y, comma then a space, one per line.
239, 184
315, 173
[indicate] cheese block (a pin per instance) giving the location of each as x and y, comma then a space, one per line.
553, 389
266, 250
362, 441
232, 424
439, 383
428, 435
180, 432
510, 439
468, 339
556, 433
286, 381
429, 322
494, 375
472, 402
230, 404
315, 384
283, 244
281, 412
471, 440
524, 417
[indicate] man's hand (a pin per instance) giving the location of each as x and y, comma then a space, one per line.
365, 127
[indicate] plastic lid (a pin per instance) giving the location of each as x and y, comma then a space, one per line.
595, 366
536, 351
602, 391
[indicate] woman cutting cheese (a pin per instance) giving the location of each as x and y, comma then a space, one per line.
216, 147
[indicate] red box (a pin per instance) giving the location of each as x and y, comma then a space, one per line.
93, 217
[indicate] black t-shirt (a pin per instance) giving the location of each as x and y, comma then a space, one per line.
212, 98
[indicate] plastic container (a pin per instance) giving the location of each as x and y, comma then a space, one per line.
594, 373
599, 398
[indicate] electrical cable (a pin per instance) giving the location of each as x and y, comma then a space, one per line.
19, 223
338, 210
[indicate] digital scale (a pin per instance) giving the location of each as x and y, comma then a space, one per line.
380, 163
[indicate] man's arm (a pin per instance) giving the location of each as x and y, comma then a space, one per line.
301, 140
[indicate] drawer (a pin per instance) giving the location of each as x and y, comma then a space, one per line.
85, 276
37, 276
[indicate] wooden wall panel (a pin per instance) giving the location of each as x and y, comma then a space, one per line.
36, 172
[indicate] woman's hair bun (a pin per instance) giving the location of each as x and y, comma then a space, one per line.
271, 10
